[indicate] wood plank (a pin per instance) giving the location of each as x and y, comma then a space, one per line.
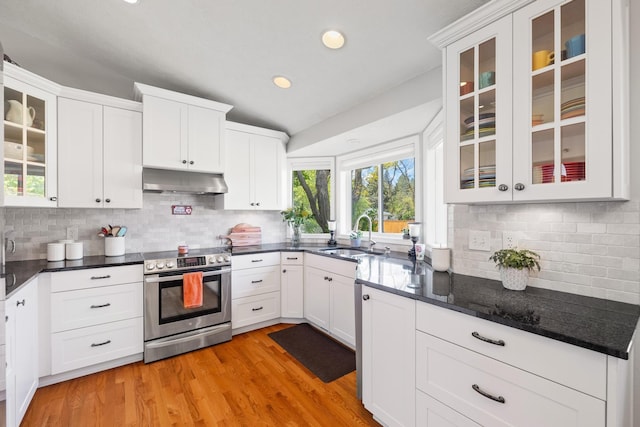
249, 380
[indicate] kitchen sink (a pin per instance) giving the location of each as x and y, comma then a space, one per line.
346, 252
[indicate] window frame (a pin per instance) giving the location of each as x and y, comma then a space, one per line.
436, 211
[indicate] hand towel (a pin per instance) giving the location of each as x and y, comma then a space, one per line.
192, 289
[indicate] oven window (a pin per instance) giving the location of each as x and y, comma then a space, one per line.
172, 305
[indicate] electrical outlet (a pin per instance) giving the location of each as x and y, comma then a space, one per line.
509, 239
72, 232
479, 240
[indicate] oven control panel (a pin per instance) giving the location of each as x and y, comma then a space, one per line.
193, 261
185, 263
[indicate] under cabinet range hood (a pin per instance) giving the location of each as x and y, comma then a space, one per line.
172, 181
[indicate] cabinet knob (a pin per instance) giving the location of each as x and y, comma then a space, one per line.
519, 186
503, 187
366, 297
253, 204
107, 200
191, 162
184, 162
284, 271
258, 204
53, 199
98, 200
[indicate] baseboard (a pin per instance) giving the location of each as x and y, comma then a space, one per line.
76, 373
266, 323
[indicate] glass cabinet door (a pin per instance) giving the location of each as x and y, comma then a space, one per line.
27, 146
553, 128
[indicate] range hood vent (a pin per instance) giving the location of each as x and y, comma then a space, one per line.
163, 180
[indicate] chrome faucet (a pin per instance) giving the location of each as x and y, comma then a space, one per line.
355, 228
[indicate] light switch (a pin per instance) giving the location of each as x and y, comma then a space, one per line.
479, 240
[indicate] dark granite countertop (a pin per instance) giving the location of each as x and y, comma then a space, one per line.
18, 273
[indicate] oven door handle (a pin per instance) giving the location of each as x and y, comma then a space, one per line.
157, 279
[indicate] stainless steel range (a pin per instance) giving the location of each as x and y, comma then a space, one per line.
169, 327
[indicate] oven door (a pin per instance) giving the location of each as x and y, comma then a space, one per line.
164, 311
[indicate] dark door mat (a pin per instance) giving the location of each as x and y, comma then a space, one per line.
326, 358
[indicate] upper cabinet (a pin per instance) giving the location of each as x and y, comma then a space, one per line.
29, 139
182, 132
100, 140
254, 168
536, 107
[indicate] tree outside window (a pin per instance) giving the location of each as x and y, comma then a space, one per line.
311, 189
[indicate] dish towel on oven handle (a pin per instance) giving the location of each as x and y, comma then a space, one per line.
192, 289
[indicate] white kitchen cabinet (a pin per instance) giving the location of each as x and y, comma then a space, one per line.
530, 117
329, 296
103, 145
388, 362
22, 351
182, 132
255, 293
254, 169
432, 413
292, 285
30, 139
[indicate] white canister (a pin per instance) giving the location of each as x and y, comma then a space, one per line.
55, 252
440, 259
74, 250
114, 246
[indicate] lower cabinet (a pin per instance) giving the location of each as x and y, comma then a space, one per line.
291, 285
329, 296
430, 412
388, 362
22, 351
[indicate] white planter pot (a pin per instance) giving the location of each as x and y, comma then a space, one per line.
514, 279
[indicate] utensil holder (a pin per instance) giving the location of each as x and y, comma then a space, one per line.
114, 246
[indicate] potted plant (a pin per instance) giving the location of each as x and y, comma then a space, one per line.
405, 233
515, 265
355, 237
295, 217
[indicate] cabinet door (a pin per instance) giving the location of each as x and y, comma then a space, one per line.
292, 291
478, 90
562, 77
266, 172
343, 310
238, 171
388, 363
30, 144
165, 130
206, 140
316, 297
122, 158
80, 154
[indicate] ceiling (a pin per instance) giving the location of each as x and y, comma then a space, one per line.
229, 50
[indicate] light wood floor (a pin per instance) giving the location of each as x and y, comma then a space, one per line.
249, 381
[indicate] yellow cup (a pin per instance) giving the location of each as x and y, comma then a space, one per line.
542, 58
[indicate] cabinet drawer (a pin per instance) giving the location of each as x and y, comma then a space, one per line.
96, 344
255, 260
250, 310
344, 268
255, 281
88, 307
92, 277
292, 258
450, 373
430, 413
555, 360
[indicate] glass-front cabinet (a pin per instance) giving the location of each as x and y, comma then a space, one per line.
535, 102
29, 143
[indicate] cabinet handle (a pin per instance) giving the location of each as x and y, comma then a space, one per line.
503, 187
21, 303
100, 277
489, 340
326, 278
107, 200
256, 281
53, 199
284, 271
184, 162
519, 186
101, 305
292, 258
256, 260
101, 343
253, 204
257, 309
366, 297
330, 279
191, 162
258, 204
477, 388
98, 200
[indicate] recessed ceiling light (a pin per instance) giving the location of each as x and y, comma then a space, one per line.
282, 82
333, 39
131, 1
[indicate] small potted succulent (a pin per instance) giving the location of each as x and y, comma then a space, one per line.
355, 236
515, 265
405, 233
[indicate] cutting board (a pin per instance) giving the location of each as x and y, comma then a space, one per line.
245, 235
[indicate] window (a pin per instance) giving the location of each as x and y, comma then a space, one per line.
383, 183
312, 187
435, 208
